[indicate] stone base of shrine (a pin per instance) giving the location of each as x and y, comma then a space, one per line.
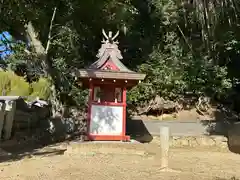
108, 138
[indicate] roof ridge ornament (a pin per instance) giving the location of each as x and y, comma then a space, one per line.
109, 37
109, 46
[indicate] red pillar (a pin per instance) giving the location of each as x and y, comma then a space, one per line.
90, 97
125, 138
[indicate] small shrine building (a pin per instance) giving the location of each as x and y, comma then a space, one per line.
108, 80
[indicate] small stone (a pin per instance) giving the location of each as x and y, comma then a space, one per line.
176, 137
220, 138
222, 144
72, 148
184, 142
193, 142
206, 141
175, 143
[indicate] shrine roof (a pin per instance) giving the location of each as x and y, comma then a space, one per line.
105, 74
109, 52
109, 63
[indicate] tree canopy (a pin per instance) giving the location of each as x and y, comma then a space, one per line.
186, 48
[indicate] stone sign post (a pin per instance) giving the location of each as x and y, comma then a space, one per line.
164, 144
164, 140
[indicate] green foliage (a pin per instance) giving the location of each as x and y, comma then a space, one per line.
205, 78
184, 47
23, 63
13, 85
172, 74
165, 73
41, 89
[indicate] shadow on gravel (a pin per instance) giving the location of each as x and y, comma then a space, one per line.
225, 124
14, 151
37, 142
234, 138
137, 130
221, 125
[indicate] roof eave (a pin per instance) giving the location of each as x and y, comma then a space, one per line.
90, 73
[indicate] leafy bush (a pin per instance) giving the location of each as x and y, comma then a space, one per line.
13, 85
41, 89
171, 74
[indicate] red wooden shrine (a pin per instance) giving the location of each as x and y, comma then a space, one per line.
108, 81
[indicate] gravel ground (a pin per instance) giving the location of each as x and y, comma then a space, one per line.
92, 161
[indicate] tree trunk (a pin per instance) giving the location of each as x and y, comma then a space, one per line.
46, 63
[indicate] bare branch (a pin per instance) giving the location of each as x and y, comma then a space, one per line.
50, 30
185, 39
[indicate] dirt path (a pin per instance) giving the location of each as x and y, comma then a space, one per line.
122, 161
